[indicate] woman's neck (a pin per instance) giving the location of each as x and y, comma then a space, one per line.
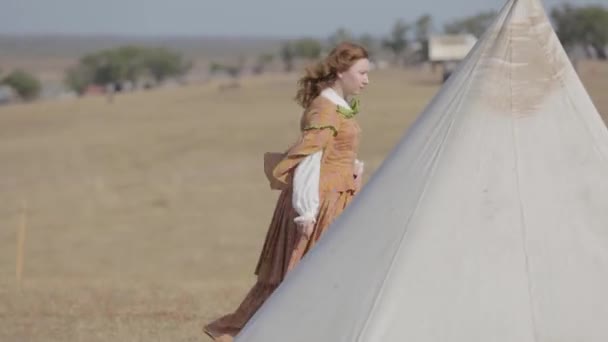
338, 89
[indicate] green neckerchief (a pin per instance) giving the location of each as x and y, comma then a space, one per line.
349, 113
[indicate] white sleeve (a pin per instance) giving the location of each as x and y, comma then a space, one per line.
305, 198
359, 166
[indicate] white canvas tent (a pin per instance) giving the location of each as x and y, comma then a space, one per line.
487, 222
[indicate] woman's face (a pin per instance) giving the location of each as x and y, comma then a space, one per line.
355, 78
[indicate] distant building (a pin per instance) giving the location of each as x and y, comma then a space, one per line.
449, 49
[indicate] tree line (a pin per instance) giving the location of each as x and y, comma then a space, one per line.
583, 27
126, 64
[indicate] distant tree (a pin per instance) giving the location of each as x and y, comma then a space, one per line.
422, 31
24, 84
594, 28
125, 63
162, 63
78, 78
232, 70
215, 67
287, 56
128, 61
341, 35
262, 63
567, 28
584, 26
475, 25
369, 43
397, 42
307, 48
108, 66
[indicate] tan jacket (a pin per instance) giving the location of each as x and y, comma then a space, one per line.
323, 128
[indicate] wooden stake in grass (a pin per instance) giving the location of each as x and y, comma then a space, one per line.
21, 245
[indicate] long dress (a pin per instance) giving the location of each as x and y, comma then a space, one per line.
334, 137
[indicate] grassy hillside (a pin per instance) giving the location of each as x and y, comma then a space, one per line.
145, 216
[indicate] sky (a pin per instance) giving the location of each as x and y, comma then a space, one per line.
278, 18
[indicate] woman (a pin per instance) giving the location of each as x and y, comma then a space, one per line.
318, 175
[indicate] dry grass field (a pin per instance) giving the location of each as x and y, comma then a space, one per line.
144, 217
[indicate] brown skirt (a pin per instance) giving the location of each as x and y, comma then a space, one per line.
283, 248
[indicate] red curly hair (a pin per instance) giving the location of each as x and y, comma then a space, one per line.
325, 72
